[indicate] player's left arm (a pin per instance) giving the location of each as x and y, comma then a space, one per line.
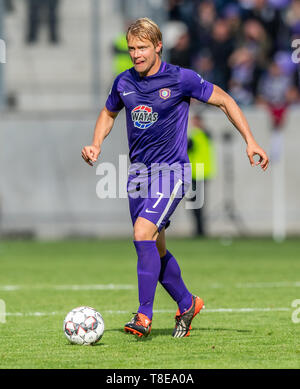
227, 104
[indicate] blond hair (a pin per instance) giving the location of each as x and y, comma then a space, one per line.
145, 29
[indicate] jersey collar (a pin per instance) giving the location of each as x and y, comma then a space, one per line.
160, 70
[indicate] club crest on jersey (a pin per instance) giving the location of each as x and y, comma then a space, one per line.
164, 93
143, 117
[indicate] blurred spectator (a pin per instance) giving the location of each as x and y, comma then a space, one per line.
240, 93
181, 10
121, 59
270, 18
232, 14
284, 61
255, 39
40, 11
204, 65
245, 74
279, 4
202, 25
172, 31
293, 13
289, 69
232, 42
276, 91
292, 18
200, 151
181, 53
221, 47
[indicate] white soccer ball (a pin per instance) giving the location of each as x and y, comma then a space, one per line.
83, 325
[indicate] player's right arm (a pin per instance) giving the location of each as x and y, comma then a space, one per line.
103, 126
104, 123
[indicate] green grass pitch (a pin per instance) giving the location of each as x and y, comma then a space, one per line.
248, 287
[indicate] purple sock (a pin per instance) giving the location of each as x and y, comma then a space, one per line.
170, 278
148, 269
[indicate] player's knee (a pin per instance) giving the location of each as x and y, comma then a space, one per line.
141, 234
144, 230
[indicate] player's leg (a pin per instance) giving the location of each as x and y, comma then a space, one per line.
170, 275
150, 215
144, 229
152, 219
148, 265
161, 243
170, 278
155, 213
148, 270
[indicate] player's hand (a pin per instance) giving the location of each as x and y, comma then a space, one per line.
90, 154
252, 150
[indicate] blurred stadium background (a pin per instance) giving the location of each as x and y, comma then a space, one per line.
53, 85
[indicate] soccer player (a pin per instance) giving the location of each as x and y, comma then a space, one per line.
156, 96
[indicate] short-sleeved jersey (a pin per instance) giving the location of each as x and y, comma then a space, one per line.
157, 111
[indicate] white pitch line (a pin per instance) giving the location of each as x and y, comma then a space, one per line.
94, 287
249, 285
269, 285
119, 312
241, 310
11, 288
22, 314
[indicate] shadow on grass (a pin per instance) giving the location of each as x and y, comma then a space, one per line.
121, 330
168, 332
98, 344
222, 329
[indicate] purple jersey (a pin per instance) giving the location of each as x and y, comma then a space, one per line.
157, 111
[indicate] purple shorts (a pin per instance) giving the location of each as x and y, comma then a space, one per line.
156, 196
